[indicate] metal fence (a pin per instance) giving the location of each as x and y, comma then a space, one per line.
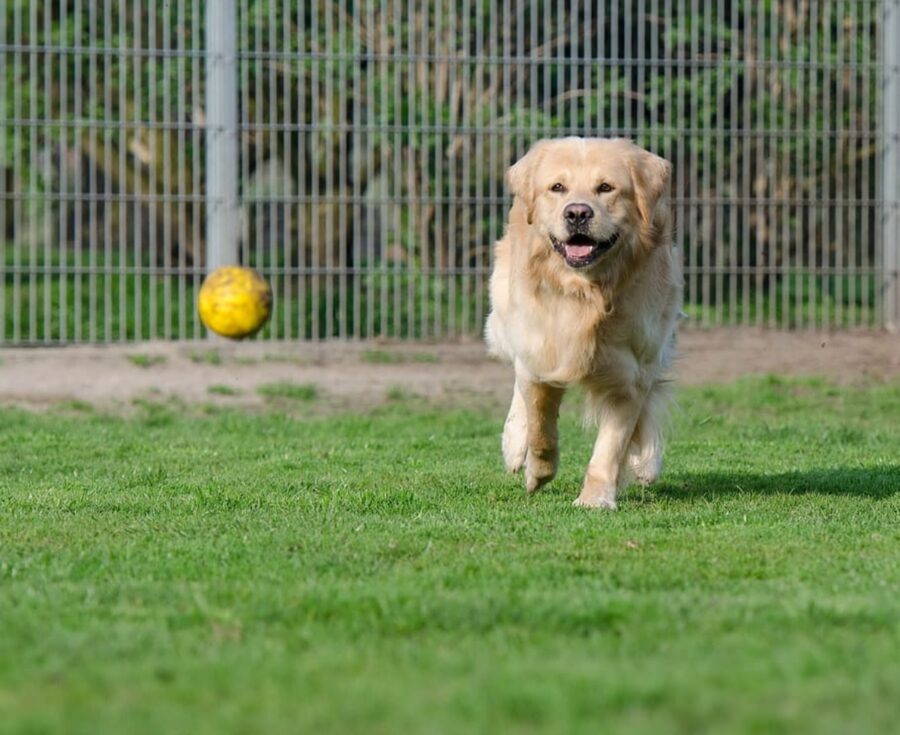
353, 152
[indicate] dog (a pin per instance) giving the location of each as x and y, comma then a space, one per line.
587, 289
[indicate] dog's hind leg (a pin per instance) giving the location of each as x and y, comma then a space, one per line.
645, 452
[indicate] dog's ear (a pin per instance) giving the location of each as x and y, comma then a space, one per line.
651, 175
521, 177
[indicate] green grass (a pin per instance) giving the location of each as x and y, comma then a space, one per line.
387, 357
208, 357
225, 572
398, 393
143, 360
291, 391
223, 390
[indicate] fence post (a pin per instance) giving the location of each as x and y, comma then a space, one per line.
222, 204
890, 127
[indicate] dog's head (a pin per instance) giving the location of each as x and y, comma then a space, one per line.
589, 197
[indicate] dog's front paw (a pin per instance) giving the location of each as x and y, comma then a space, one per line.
597, 502
596, 494
539, 470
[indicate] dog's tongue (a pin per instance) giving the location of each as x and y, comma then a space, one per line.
578, 251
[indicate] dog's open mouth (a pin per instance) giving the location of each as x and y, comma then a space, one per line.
581, 250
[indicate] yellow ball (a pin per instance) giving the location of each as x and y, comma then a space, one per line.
234, 302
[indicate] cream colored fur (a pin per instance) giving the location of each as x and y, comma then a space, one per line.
609, 327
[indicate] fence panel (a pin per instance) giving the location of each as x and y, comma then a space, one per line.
102, 162
372, 142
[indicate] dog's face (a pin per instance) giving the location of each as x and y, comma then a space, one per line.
590, 197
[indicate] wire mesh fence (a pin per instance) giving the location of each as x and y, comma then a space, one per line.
370, 141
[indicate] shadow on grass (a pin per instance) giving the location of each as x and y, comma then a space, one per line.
881, 482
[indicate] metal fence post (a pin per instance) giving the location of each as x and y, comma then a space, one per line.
890, 128
222, 204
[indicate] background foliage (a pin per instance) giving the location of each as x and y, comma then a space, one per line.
374, 136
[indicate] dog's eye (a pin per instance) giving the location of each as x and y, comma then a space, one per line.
558, 188
604, 187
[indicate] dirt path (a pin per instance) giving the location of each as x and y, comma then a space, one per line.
348, 375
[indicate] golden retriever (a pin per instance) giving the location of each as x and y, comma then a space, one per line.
587, 289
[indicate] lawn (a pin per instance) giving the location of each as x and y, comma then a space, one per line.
211, 571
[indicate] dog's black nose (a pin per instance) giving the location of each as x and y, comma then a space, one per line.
577, 214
